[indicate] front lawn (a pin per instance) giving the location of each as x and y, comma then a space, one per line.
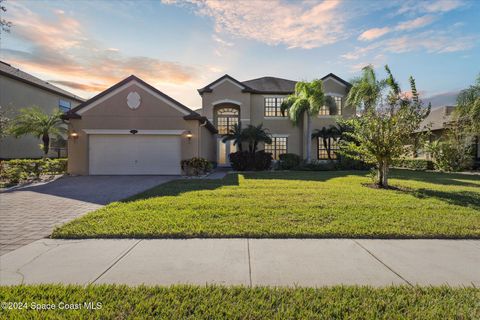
293, 205
214, 302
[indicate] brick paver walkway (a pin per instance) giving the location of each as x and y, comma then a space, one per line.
31, 213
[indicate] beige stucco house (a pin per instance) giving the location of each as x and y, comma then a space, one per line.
18, 90
133, 128
227, 101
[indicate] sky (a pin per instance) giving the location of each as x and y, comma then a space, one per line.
179, 46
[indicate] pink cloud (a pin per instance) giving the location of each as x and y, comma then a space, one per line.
415, 23
296, 25
373, 33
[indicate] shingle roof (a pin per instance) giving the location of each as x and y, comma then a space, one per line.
271, 85
437, 119
17, 74
267, 85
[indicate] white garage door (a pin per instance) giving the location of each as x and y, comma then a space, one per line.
134, 154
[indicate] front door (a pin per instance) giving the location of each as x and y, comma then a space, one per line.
224, 149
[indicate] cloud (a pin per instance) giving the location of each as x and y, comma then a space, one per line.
308, 24
434, 6
415, 23
373, 33
59, 49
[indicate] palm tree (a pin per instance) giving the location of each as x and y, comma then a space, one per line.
254, 135
307, 99
39, 124
366, 90
468, 107
236, 134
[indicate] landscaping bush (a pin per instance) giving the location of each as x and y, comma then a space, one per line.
414, 164
289, 161
244, 160
343, 163
18, 170
196, 166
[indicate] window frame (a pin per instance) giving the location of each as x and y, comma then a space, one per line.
322, 150
275, 108
275, 151
228, 119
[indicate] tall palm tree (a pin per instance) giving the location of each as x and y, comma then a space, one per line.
236, 134
366, 90
307, 100
254, 135
35, 122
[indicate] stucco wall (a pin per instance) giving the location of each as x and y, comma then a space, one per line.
153, 114
15, 95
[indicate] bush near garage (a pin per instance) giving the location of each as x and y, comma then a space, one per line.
21, 170
196, 166
245, 160
414, 164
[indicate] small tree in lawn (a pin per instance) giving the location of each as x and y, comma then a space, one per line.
33, 121
307, 100
386, 126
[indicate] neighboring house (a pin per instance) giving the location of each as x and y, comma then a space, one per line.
133, 128
227, 101
437, 122
18, 90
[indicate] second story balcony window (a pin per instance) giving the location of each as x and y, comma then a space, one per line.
226, 118
272, 107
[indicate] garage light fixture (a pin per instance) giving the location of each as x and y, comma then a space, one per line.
189, 135
74, 135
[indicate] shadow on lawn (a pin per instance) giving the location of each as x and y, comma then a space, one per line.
303, 175
177, 187
460, 198
452, 179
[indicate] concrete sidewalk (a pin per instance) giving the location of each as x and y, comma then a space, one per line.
282, 262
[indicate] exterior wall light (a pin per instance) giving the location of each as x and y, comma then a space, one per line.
74, 135
189, 135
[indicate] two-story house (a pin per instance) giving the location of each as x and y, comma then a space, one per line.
134, 128
18, 90
227, 101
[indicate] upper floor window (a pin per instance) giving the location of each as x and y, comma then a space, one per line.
272, 106
326, 111
277, 147
226, 119
327, 151
64, 105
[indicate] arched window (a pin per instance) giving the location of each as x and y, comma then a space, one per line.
226, 117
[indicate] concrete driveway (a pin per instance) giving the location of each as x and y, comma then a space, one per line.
31, 213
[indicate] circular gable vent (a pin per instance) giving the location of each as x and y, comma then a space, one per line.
133, 100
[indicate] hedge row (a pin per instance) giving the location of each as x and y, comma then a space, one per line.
414, 164
15, 171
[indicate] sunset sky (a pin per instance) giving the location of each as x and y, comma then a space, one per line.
180, 46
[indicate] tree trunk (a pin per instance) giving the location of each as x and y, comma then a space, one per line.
383, 173
309, 138
46, 144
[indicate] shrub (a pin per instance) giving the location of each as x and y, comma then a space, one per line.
414, 164
15, 171
343, 163
245, 160
263, 160
289, 161
196, 166
451, 155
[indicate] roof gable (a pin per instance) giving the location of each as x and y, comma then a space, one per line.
337, 79
224, 78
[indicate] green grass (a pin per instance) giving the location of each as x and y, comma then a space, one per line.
293, 205
214, 302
